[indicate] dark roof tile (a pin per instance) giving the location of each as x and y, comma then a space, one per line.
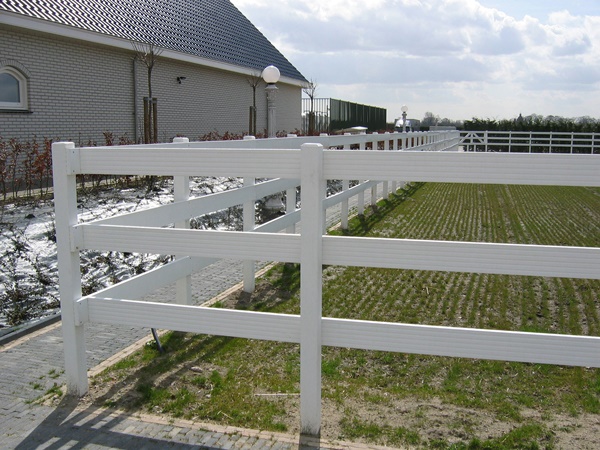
213, 29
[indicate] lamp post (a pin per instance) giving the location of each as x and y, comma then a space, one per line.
271, 76
404, 109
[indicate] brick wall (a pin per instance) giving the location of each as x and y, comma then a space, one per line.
78, 90
213, 100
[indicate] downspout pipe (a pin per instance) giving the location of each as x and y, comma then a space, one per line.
135, 101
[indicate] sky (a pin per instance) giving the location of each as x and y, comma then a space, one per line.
458, 59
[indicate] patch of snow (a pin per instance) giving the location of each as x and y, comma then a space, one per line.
28, 261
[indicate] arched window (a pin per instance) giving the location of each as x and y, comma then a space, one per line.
13, 89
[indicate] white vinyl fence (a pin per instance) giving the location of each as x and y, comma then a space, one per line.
530, 142
309, 161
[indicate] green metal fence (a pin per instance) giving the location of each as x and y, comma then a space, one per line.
329, 115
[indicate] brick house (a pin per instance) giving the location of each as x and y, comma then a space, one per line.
68, 69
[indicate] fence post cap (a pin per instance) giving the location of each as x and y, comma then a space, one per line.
66, 144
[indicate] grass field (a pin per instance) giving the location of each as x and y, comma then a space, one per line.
401, 399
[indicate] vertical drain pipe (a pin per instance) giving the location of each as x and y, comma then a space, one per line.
135, 103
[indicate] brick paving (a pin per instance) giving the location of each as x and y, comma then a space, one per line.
34, 364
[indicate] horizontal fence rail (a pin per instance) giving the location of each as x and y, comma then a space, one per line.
422, 166
302, 162
463, 342
540, 348
530, 142
182, 210
507, 259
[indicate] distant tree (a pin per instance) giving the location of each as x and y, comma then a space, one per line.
148, 53
445, 122
477, 124
310, 89
254, 80
535, 122
588, 124
430, 120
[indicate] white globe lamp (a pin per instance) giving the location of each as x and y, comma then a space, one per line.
404, 110
271, 76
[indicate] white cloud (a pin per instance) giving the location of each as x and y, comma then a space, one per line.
454, 54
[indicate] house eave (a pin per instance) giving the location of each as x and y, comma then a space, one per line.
33, 24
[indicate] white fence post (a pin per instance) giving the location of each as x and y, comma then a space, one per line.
374, 195
345, 208
345, 203
311, 263
181, 193
360, 207
249, 223
485, 138
361, 194
324, 216
290, 207
386, 184
374, 187
65, 160
395, 148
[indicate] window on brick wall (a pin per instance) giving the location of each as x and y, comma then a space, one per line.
13, 89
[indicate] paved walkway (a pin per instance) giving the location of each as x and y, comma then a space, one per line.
33, 365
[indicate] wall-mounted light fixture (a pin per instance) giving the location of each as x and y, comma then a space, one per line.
180, 79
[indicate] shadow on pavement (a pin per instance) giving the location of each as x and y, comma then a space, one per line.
69, 427
308, 442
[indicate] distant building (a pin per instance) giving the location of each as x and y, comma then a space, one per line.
68, 69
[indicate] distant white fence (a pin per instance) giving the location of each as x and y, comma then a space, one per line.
311, 161
530, 142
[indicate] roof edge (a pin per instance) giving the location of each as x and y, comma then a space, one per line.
43, 26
